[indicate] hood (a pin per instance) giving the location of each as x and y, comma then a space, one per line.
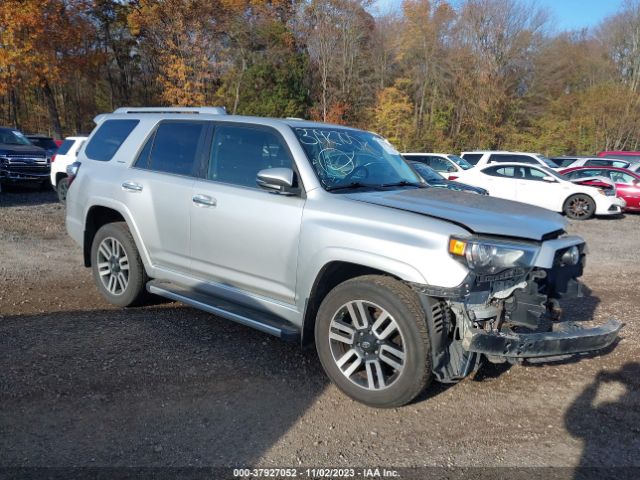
478, 213
6, 149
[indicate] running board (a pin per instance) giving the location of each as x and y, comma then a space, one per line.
250, 317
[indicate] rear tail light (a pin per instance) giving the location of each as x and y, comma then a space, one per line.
453, 177
53, 159
72, 172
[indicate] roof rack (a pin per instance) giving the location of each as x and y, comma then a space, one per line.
190, 110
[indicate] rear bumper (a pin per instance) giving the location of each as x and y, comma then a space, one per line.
568, 338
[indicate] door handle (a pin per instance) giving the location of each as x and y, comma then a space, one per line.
131, 187
204, 200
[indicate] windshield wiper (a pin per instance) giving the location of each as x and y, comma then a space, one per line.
350, 186
402, 183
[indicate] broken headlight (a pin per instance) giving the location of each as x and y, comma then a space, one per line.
489, 257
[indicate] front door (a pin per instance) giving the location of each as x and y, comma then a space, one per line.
242, 236
532, 188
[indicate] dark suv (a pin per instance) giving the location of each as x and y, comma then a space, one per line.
20, 160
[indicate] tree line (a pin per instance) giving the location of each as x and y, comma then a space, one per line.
434, 76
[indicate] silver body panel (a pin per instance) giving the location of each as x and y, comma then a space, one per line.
265, 250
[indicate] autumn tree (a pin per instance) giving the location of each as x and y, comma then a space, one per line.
42, 42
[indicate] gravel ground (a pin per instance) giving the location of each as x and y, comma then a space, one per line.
85, 384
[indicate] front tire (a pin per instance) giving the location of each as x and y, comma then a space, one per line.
371, 337
579, 207
117, 267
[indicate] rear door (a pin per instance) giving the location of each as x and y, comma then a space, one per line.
500, 181
158, 190
245, 239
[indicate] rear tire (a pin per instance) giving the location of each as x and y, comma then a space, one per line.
116, 265
61, 189
579, 207
382, 357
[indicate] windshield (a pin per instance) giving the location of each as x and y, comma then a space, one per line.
461, 162
343, 158
13, 137
428, 173
548, 161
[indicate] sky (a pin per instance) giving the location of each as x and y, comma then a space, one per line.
565, 14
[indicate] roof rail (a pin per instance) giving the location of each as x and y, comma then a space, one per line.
203, 110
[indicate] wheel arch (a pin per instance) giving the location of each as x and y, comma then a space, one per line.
99, 215
330, 276
60, 176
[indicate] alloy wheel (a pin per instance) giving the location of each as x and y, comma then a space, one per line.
580, 207
113, 266
367, 345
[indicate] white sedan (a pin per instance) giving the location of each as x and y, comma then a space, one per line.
543, 187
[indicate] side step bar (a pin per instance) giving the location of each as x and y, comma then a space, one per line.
262, 321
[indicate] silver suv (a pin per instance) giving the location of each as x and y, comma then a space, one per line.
322, 233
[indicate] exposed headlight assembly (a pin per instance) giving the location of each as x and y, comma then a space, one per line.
489, 257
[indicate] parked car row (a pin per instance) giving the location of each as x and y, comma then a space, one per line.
578, 186
36, 159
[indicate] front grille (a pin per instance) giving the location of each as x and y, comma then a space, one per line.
29, 159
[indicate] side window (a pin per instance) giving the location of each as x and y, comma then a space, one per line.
535, 174
523, 159
592, 173
440, 164
107, 140
618, 164
174, 148
499, 158
143, 158
472, 158
508, 172
620, 177
597, 163
65, 147
240, 152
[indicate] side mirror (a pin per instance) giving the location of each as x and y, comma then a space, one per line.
276, 180
549, 179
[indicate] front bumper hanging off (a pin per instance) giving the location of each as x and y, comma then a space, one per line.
566, 339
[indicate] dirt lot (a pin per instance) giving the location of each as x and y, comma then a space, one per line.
84, 384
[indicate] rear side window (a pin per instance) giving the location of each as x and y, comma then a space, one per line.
563, 162
174, 148
65, 147
629, 158
107, 140
606, 163
509, 172
472, 158
587, 173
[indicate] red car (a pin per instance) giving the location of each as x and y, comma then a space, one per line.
627, 182
622, 155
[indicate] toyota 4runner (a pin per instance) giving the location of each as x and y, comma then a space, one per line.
322, 233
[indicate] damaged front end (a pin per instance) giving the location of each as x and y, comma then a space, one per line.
511, 313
